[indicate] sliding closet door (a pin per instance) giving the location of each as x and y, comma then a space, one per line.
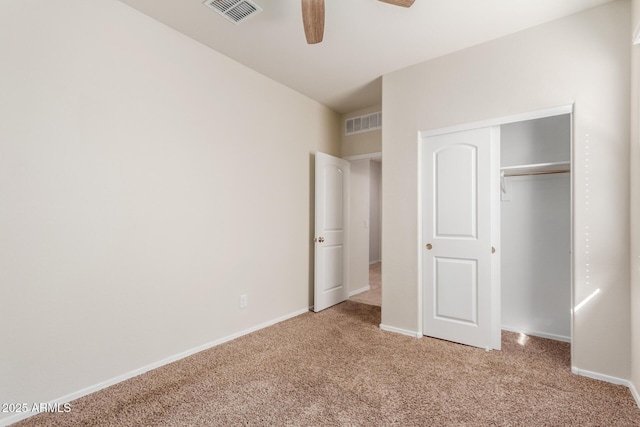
460, 205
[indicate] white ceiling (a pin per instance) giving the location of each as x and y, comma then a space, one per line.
363, 39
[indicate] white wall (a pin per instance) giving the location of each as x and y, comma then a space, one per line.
359, 226
635, 207
536, 230
582, 59
374, 212
364, 223
146, 182
536, 141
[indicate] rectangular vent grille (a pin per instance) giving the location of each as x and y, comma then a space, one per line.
364, 123
236, 11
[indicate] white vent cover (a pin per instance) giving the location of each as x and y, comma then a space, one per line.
236, 11
364, 123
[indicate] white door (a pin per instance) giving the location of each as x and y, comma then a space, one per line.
460, 227
332, 205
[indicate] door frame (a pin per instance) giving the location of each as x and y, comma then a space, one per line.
499, 121
373, 156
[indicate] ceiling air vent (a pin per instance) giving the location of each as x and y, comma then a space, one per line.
236, 11
364, 123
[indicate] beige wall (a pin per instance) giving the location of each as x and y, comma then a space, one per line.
358, 232
635, 207
364, 142
375, 215
581, 59
145, 183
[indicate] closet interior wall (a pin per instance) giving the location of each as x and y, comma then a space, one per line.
536, 229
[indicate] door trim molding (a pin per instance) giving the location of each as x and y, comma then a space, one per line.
499, 121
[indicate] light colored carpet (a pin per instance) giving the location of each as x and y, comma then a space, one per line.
374, 295
338, 368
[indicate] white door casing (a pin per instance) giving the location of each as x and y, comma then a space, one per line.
460, 230
331, 238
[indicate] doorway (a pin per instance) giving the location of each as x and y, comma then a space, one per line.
365, 230
535, 223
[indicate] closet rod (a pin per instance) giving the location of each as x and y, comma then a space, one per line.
536, 169
535, 173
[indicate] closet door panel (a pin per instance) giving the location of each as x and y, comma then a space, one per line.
459, 201
456, 191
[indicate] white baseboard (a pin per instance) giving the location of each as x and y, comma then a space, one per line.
609, 379
359, 291
537, 334
601, 377
407, 332
634, 393
92, 389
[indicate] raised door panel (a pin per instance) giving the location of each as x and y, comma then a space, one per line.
456, 290
456, 192
333, 200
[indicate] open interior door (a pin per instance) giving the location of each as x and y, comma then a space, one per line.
460, 227
332, 207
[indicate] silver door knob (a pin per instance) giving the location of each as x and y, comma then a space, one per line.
429, 246
320, 239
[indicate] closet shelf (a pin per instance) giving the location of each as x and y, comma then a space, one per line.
536, 169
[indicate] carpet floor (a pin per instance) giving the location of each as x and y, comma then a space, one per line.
337, 368
374, 295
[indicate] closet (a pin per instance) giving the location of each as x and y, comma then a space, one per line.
536, 227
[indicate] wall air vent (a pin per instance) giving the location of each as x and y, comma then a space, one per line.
364, 123
236, 11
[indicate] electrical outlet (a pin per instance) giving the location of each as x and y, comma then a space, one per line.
244, 301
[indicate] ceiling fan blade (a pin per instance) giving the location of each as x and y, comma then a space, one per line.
403, 3
313, 20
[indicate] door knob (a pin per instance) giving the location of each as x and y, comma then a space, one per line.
320, 239
429, 246
493, 250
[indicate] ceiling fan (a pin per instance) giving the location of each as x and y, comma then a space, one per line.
313, 17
